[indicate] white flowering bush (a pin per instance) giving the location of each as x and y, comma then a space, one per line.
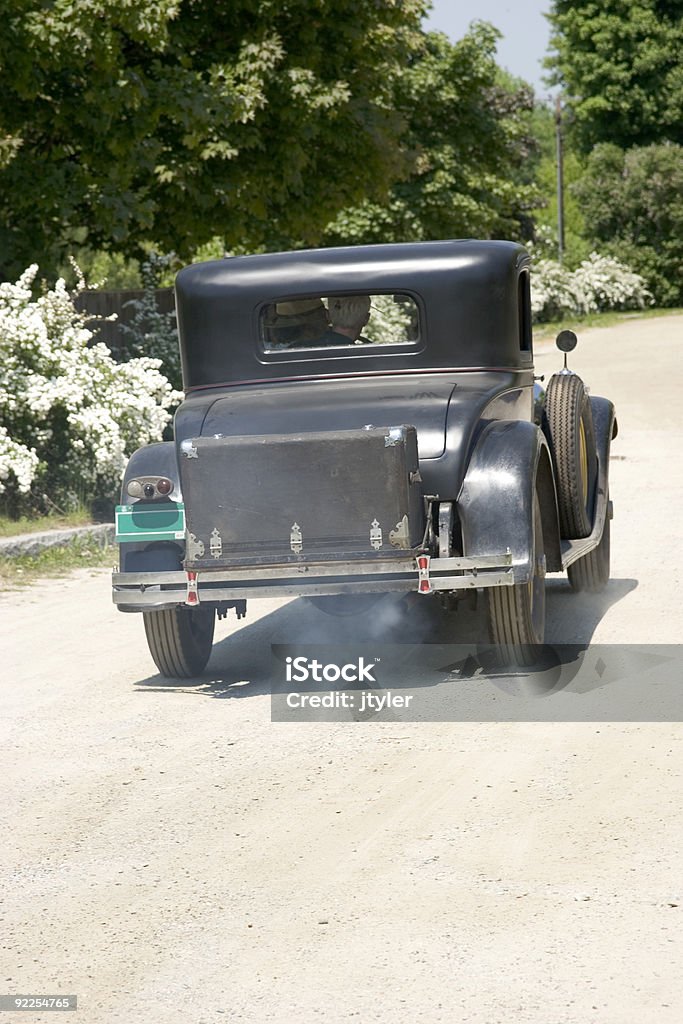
69, 415
599, 283
602, 283
16, 460
552, 293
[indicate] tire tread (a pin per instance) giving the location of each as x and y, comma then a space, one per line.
566, 405
174, 646
510, 624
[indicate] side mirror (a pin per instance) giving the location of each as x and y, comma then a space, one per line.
566, 341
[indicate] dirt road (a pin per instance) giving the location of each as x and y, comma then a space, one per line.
170, 855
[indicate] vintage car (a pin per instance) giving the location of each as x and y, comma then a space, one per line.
359, 421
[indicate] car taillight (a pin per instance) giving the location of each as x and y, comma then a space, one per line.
149, 487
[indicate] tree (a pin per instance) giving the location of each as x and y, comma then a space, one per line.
576, 246
467, 149
618, 63
633, 208
124, 123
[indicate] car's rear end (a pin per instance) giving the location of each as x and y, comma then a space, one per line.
329, 467
323, 513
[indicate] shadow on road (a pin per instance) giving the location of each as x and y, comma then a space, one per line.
573, 618
241, 665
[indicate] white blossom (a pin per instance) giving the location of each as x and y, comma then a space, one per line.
599, 283
17, 459
60, 393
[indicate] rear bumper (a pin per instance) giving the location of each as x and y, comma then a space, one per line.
140, 591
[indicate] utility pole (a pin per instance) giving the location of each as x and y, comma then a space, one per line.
560, 179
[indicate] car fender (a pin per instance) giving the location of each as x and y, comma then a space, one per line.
495, 504
157, 459
604, 423
605, 428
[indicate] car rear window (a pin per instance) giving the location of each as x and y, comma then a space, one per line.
344, 322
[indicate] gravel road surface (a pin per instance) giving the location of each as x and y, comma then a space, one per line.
170, 855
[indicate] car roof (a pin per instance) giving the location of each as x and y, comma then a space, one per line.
467, 291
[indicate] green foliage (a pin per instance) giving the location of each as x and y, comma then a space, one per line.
391, 320
633, 206
173, 122
151, 333
619, 65
214, 249
544, 243
103, 269
466, 150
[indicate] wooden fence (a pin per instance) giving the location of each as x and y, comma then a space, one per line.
102, 303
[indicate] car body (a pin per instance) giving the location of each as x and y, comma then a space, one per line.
418, 458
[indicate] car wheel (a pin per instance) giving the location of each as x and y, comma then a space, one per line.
570, 422
591, 573
516, 615
180, 639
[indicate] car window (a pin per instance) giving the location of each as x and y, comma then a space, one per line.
524, 308
339, 321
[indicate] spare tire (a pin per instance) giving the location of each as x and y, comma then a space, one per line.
569, 419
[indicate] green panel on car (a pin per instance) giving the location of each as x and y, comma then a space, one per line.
142, 522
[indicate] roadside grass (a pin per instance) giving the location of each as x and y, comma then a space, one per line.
81, 553
36, 524
548, 331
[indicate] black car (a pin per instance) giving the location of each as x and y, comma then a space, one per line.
358, 421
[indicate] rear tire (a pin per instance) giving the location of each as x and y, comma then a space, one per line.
591, 573
516, 615
572, 437
180, 639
